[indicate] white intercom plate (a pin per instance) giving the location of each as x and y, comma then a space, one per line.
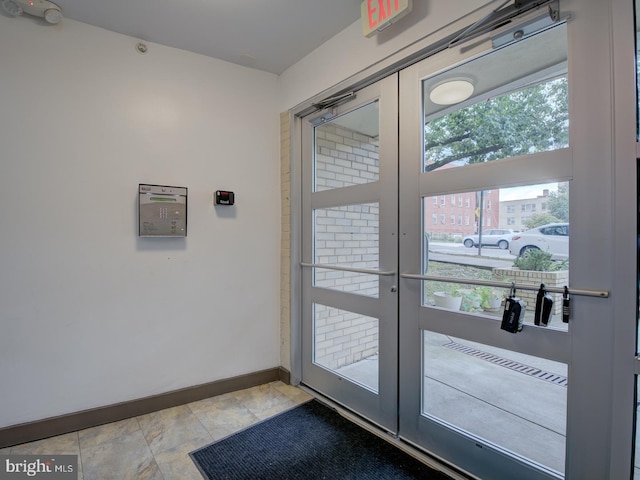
162, 211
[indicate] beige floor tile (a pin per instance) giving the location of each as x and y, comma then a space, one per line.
95, 436
223, 415
167, 429
176, 464
265, 401
66, 444
128, 458
157, 446
294, 393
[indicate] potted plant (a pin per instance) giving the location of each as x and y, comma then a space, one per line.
490, 298
471, 300
450, 297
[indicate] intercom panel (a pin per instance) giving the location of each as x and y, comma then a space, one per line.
162, 211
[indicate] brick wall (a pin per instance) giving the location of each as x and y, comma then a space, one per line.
346, 236
342, 337
530, 277
344, 158
285, 242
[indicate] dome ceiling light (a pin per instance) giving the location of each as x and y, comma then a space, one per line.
451, 91
51, 12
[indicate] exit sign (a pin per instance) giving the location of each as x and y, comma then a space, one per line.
377, 15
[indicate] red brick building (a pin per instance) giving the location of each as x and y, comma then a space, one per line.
459, 214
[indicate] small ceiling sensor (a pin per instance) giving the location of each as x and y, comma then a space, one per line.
51, 12
141, 47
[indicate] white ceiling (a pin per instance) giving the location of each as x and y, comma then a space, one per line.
269, 35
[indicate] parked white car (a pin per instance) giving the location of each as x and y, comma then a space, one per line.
499, 237
552, 238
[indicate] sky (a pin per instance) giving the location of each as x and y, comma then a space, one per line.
528, 191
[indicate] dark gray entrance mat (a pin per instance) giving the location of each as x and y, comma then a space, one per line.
308, 442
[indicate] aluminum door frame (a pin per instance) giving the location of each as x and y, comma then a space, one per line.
379, 408
449, 443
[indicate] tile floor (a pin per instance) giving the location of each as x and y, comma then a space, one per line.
156, 446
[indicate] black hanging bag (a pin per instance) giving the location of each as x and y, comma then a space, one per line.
513, 315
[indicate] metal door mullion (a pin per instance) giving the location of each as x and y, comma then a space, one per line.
368, 306
536, 168
352, 195
537, 341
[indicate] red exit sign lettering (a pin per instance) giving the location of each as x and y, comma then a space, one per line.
377, 15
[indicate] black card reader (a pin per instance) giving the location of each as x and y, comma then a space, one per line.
224, 197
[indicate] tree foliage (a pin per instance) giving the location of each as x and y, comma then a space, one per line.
530, 120
558, 204
540, 219
557, 208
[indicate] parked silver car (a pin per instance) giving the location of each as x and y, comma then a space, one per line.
497, 237
552, 238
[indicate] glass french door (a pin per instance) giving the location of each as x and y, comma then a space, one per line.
394, 224
349, 252
485, 176
471, 180
488, 401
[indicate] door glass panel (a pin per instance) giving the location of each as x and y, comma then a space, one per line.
347, 236
514, 401
515, 104
347, 149
347, 344
517, 234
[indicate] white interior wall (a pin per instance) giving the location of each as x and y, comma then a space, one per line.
90, 314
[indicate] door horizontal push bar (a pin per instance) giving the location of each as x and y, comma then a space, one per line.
517, 286
348, 269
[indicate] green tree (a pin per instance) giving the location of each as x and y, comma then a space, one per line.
558, 204
530, 120
540, 219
